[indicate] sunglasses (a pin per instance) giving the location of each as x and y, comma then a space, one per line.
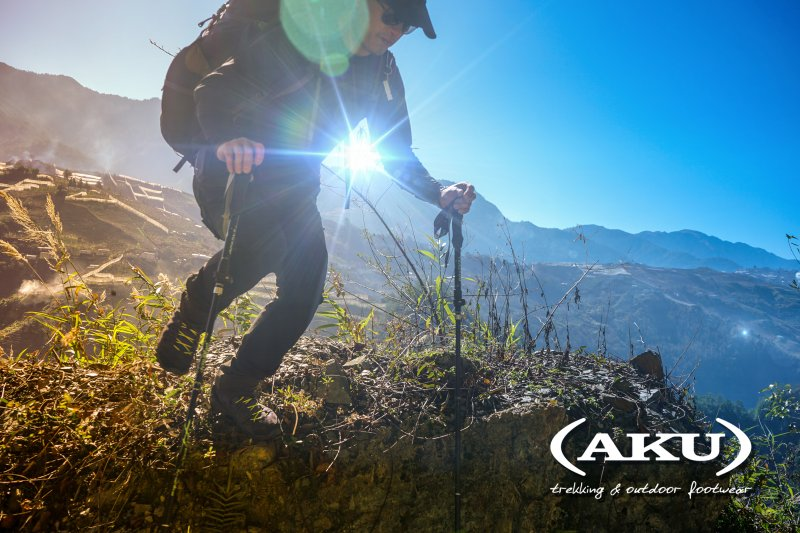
391, 18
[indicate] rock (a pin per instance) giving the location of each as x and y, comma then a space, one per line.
254, 458
650, 395
622, 386
356, 362
649, 364
334, 385
617, 402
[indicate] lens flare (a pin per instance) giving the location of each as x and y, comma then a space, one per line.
361, 156
356, 154
327, 32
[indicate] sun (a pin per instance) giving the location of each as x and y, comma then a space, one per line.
360, 155
355, 160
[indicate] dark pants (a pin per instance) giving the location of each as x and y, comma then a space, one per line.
280, 231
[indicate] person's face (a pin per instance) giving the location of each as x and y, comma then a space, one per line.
380, 36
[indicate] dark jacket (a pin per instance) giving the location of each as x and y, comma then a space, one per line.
271, 94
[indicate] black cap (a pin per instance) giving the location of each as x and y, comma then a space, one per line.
414, 13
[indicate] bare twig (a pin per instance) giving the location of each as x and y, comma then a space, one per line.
161, 48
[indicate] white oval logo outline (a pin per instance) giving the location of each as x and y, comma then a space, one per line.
745, 447
558, 440
558, 453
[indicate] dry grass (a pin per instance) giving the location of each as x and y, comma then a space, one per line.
76, 442
9, 250
32, 232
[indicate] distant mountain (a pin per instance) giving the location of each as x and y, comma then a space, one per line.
685, 249
488, 232
54, 118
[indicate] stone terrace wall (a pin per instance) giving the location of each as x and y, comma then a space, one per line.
507, 475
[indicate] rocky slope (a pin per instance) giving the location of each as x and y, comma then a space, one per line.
367, 445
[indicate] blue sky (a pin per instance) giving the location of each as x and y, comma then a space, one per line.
634, 115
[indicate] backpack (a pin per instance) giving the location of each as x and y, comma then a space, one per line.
232, 27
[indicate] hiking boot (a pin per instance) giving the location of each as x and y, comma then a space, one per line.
178, 344
234, 403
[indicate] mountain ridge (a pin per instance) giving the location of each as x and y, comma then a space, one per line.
488, 231
57, 119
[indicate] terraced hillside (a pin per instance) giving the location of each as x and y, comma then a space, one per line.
109, 225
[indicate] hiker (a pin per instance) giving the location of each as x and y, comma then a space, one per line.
282, 142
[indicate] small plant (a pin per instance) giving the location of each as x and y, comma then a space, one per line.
773, 473
350, 328
154, 301
84, 327
238, 317
299, 401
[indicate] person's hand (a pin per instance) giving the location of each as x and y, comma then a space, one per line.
460, 195
241, 155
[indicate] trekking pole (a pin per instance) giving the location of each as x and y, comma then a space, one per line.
458, 301
348, 187
234, 195
445, 219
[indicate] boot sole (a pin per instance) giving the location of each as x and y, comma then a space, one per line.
225, 426
221, 421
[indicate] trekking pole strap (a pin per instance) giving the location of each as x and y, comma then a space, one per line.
446, 218
235, 190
